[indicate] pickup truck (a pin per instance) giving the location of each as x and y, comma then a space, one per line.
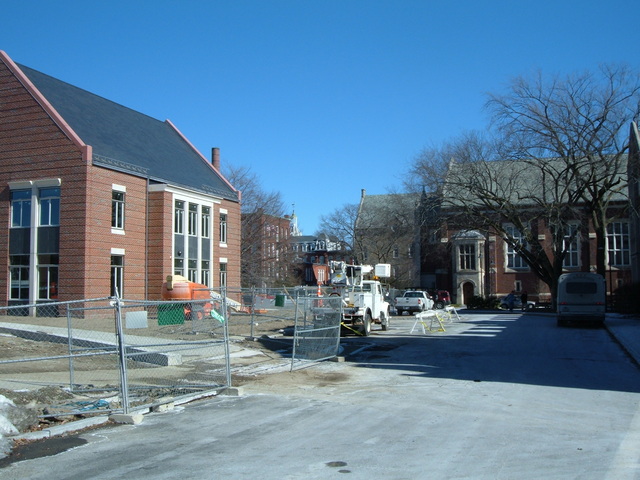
413, 301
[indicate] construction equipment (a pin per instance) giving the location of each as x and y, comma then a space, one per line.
178, 288
362, 294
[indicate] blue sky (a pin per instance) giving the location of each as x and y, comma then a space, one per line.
319, 98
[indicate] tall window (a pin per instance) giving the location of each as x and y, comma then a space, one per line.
467, 257
206, 222
571, 248
117, 209
223, 228
618, 244
193, 219
48, 277
117, 275
205, 274
514, 260
192, 271
178, 217
20, 208
223, 274
19, 271
49, 206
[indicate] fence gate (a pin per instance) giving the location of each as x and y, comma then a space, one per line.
317, 329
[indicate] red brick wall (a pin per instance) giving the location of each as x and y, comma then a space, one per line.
100, 239
160, 241
33, 147
232, 250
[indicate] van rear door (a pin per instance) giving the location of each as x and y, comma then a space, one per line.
581, 298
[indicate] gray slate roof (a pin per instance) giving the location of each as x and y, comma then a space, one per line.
379, 211
129, 141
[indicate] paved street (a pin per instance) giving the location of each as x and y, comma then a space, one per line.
495, 396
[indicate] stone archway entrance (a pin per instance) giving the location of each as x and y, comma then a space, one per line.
467, 292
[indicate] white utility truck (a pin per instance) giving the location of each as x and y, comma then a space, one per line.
363, 295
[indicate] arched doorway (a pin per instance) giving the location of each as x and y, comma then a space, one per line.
467, 292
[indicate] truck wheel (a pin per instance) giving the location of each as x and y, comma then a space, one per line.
384, 319
366, 327
439, 304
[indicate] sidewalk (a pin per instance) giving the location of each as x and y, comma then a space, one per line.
626, 330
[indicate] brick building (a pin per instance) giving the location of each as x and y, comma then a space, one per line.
266, 254
98, 198
425, 241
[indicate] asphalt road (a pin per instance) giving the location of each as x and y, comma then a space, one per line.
495, 396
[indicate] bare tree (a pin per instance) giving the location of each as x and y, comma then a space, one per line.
341, 224
265, 251
582, 120
386, 232
521, 201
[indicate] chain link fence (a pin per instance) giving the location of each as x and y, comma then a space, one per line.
113, 355
317, 329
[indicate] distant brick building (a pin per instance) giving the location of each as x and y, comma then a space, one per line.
266, 254
99, 198
428, 250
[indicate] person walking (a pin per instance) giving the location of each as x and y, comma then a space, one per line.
523, 299
511, 300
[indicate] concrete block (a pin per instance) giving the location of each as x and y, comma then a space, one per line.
165, 407
232, 392
128, 418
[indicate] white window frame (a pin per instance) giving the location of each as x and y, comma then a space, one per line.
178, 216
224, 217
118, 208
192, 216
467, 257
513, 260
618, 244
572, 250
49, 207
117, 272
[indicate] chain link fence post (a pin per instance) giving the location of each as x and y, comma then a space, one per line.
122, 356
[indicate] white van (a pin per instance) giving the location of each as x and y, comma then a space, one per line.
581, 298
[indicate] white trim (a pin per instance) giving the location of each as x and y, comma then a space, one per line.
117, 251
183, 194
24, 184
118, 188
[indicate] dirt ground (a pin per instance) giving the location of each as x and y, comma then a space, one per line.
260, 367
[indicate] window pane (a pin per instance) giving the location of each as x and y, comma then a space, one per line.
117, 209
21, 208
49, 206
178, 220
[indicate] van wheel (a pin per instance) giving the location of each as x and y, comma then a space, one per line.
439, 304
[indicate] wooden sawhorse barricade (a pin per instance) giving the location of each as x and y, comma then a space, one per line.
428, 318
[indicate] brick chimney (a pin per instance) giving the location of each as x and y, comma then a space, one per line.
215, 158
